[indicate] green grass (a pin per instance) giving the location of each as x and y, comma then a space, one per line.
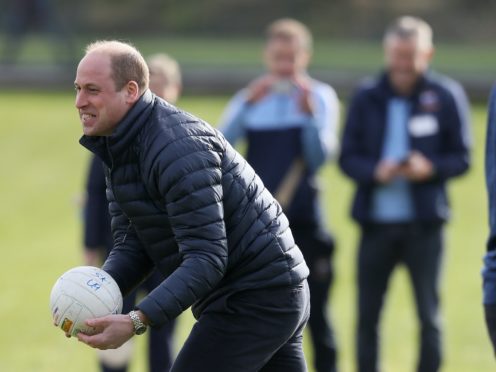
42, 177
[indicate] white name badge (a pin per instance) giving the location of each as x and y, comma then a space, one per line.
422, 126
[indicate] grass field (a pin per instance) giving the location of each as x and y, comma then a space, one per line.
475, 59
42, 174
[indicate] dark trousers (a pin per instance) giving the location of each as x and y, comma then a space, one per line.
254, 330
383, 246
490, 315
160, 345
318, 247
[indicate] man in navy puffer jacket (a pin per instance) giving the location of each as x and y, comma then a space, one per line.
184, 201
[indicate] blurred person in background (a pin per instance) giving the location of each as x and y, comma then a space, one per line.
289, 122
165, 82
489, 269
23, 16
406, 134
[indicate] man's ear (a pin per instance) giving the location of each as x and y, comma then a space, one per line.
132, 92
430, 54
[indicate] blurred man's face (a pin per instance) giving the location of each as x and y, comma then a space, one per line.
405, 62
162, 87
100, 106
286, 58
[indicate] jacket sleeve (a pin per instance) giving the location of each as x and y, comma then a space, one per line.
490, 316
189, 178
232, 120
454, 160
127, 262
490, 170
354, 162
489, 268
319, 138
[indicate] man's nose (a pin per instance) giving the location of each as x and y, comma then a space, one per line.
80, 100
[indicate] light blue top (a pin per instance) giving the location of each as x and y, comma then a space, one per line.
393, 202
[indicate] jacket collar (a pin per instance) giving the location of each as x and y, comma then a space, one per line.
387, 89
124, 133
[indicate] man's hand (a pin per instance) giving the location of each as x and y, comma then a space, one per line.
259, 88
386, 170
306, 103
112, 332
417, 168
93, 256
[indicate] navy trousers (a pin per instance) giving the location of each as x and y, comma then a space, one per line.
318, 248
254, 330
419, 247
490, 315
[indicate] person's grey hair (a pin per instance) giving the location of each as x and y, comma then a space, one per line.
164, 65
126, 62
410, 28
291, 29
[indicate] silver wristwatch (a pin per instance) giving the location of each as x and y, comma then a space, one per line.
139, 326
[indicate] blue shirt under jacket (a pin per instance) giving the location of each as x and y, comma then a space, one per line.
393, 202
438, 127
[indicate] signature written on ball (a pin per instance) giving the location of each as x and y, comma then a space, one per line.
95, 284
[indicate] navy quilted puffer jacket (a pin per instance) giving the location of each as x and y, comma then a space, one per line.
183, 199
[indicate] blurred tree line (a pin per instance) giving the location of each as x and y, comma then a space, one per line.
67, 24
457, 20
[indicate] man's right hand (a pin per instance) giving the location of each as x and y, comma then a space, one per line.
112, 331
386, 170
93, 257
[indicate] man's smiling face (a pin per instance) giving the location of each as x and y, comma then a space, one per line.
101, 107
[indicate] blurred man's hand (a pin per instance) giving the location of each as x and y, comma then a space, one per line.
306, 103
386, 170
259, 88
417, 168
93, 257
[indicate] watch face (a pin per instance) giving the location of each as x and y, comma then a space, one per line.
140, 330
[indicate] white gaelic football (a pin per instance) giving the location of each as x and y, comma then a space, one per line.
82, 293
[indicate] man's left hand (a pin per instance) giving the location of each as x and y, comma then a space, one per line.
417, 168
306, 103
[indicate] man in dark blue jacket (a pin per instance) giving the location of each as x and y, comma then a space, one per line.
184, 201
406, 134
489, 270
